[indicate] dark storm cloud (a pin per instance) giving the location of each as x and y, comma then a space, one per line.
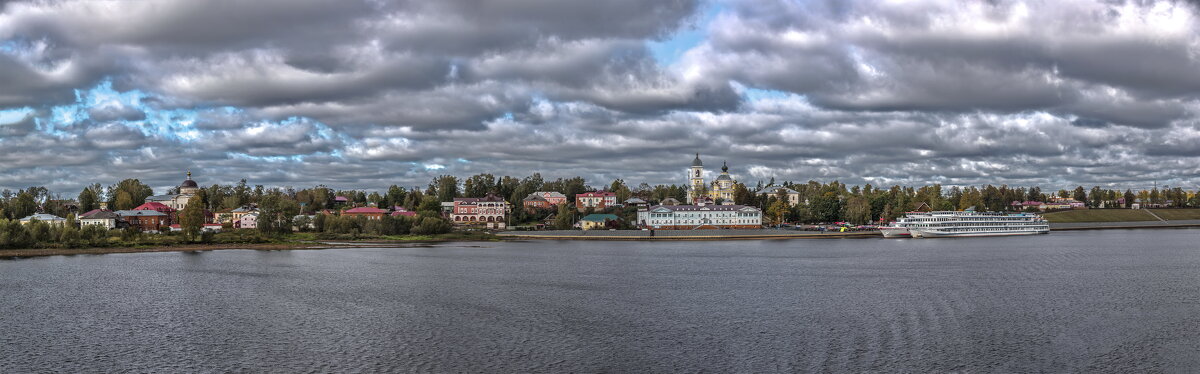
372, 93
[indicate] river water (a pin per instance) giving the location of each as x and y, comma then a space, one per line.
1100, 301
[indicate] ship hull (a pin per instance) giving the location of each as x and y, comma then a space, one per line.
926, 233
895, 232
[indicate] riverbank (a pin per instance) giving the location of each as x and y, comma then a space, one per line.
290, 242
684, 234
18, 253
1069, 226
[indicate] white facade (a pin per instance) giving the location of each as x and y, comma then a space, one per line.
108, 223
700, 216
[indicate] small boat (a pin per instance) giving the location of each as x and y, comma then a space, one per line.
895, 231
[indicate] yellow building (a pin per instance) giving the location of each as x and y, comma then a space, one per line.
720, 188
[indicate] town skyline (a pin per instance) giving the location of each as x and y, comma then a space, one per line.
365, 94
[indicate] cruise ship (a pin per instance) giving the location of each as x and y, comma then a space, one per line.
966, 224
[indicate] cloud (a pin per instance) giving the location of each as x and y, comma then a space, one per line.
364, 94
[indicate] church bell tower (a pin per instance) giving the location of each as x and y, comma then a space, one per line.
695, 180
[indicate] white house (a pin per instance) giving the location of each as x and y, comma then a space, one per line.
99, 217
51, 219
687, 217
248, 221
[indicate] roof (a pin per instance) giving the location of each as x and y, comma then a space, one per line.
188, 183
724, 177
485, 199
365, 209
670, 200
99, 214
634, 200
153, 206
162, 197
340, 199
551, 194
241, 209
139, 213
775, 189
534, 197
600, 217
44, 217
600, 193
697, 162
703, 207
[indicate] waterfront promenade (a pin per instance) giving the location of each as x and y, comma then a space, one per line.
1063, 226
686, 234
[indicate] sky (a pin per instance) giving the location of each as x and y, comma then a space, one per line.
366, 94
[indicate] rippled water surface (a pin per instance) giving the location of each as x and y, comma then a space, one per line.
1108, 301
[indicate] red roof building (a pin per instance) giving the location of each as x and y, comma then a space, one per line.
365, 211
400, 211
597, 200
491, 211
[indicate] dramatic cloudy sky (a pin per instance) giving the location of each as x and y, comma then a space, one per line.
365, 94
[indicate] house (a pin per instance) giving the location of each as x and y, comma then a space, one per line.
597, 221
144, 220
1022, 205
340, 200
207, 227
365, 211
793, 197
223, 216
237, 214
596, 200
247, 221
1054, 206
534, 201
688, 217
635, 202
670, 201
398, 211
51, 219
543, 200
102, 217
490, 210
304, 222
168, 211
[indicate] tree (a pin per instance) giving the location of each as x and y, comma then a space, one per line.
191, 220
858, 211
444, 188
128, 194
478, 185
275, 212
1034, 194
395, 196
1079, 194
777, 212
88, 199
23, 206
623, 192
565, 219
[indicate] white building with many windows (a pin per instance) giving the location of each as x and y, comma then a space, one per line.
688, 217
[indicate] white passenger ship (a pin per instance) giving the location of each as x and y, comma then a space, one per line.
964, 224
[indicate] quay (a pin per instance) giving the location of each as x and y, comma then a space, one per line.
728, 234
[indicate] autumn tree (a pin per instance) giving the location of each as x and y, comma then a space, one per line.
191, 219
